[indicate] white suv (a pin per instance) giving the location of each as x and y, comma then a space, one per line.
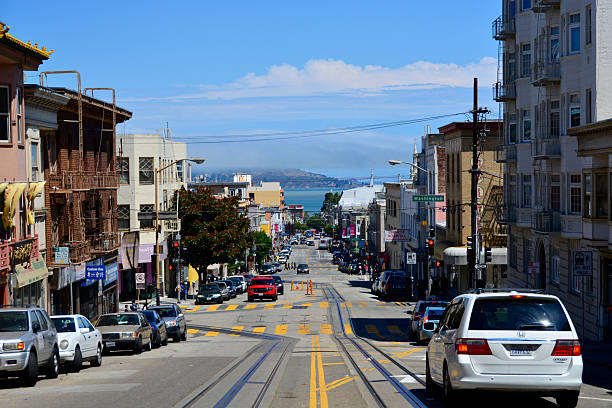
506, 340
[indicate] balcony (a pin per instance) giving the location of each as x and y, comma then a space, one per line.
506, 214
547, 221
542, 6
506, 154
546, 73
503, 28
7, 251
173, 225
546, 149
571, 226
68, 181
106, 242
504, 92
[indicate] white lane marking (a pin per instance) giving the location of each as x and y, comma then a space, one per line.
597, 399
405, 378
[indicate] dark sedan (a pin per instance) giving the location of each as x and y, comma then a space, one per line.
280, 288
160, 334
231, 287
210, 293
303, 268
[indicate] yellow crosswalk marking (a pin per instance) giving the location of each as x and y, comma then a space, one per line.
347, 328
269, 306
212, 308
183, 306
304, 329
326, 329
407, 352
349, 304
238, 329
281, 329
192, 331
211, 334
250, 306
363, 304
232, 307
195, 309
287, 306
306, 304
323, 304
259, 329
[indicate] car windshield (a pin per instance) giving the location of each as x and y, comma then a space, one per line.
13, 321
303, 266
64, 324
221, 285
424, 305
518, 314
119, 320
262, 281
229, 283
277, 279
150, 315
210, 288
165, 311
434, 314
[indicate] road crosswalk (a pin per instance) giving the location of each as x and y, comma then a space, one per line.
283, 305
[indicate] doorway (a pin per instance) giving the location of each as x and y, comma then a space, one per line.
541, 283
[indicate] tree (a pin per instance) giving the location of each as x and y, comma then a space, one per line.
300, 227
315, 222
329, 230
212, 230
264, 245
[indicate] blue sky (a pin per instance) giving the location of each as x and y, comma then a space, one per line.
219, 68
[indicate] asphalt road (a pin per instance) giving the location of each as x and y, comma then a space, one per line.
340, 346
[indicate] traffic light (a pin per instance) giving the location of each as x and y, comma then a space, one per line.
430, 247
432, 232
250, 258
488, 255
438, 263
175, 244
471, 251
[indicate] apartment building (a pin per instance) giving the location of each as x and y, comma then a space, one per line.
554, 56
139, 157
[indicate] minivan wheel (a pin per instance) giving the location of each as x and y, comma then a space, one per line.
449, 393
567, 399
53, 365
29, 376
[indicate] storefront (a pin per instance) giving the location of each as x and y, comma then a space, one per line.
30, 287
126, 280
110, 301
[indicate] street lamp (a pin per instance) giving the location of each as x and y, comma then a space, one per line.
197, 160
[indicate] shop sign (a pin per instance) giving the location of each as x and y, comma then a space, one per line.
22, 251
111, 273
396, 236
130, 249
353, 229
344, 234
62, 255
583, 263
95, 272
79, 271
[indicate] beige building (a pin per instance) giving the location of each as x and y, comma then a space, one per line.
268, 194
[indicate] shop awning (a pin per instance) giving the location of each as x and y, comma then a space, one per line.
458, 256
27, 276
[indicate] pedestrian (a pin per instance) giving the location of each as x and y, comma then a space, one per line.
126, 309
134, 306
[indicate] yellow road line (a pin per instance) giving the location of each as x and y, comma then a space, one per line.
238, 329
326, 329
407, 352
259, 329
329, 364
304, 329
192, 331
212, 308
211, 334
347, 328
323, 304
195, 309
349, 304
250, 306
363, 304
313, 375
306, 304
269, 306
338, 383
322, 390
287, 306
281, 329
231, 307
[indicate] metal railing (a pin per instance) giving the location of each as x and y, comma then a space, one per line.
504, 92
546, 148
547, 221
544, 72
106, 242
505, 153
503, 28
82, 180
506, 214
542, 6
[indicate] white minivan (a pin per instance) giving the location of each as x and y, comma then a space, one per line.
506, 340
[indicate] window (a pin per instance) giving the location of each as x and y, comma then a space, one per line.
123, 168
179, 170
526, 114
554, 44
587, 195
574, 109
5, 123
525, 60
588, 26
555, 274
148, 209
525, 5
555, 193
34, 160
123, 217
575, 189
511, 314
511, 76
512, 201
42, 320
601, 196
145, 168
574, 33
555, 119
19, 115
589, 106
526, 190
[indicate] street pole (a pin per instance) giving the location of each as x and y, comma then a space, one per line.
156, 239
179, 273
474, 190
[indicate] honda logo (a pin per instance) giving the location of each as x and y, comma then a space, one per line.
520, 334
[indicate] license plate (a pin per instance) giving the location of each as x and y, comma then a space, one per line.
261, 294
520, 352
110, 344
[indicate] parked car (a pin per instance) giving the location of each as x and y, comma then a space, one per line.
247, 280
343, 266
302, 268
29, 344
160, 333
506, 340
239, 283
396, 286
429, 323
277, 267
282, 260
230, 287
262, 287
266, 269
310, 243
125, 331
280, 288
375, 286
173, 316
209, 293
225, 293
417, 314
78, 341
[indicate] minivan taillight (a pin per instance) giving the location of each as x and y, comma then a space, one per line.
473, 347
567, 348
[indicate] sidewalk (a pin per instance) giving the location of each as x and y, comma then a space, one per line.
162, 300
597, 354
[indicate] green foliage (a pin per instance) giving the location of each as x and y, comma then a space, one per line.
212, 229
264, 245
300, 227
329, 230
314, 222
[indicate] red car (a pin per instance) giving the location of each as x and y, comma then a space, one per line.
262, 287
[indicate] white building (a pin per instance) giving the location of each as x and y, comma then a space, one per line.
554, 60
138, 157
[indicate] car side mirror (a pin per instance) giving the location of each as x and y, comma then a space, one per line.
36, 327
84, 330
181, 315
409, 312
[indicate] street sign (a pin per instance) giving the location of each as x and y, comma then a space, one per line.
62, 255
583, 263
427, 197
95, 272
533, 268
411, 258
141, 286
140, 277
396, 236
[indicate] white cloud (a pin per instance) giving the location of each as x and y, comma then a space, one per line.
326, 77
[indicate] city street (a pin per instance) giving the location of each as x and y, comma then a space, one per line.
338, 347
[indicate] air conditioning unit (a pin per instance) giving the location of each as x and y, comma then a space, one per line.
106, 244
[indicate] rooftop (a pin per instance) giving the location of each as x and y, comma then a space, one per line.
19, 45
360, 196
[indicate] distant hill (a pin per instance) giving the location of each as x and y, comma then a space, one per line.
289, 178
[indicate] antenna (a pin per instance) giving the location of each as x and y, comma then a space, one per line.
371, 177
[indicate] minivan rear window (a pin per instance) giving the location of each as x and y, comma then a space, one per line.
518, 314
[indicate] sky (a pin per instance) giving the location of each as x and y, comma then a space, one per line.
216, 71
